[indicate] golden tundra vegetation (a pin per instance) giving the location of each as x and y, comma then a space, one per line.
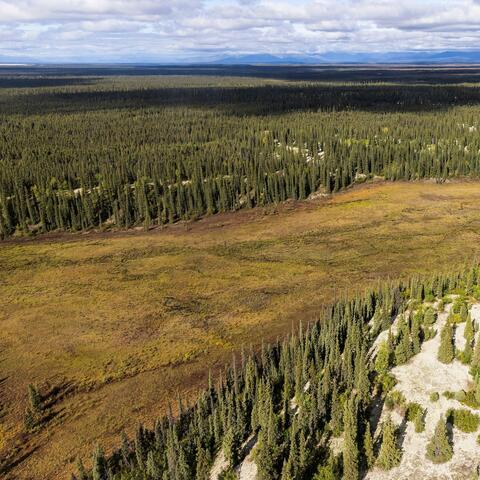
111, 326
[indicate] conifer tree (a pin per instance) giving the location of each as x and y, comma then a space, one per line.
231, 447
152, 467
82, 473
382, 360
416, 332
477, 388
350, 448
429, 317
439, 449
389, 455
35, 400
419, 421
368, 447
446, 352
202, 469
475, 366
469, 332
100, 470
403, 350
336, 421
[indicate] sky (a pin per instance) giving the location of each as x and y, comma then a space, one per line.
191, 30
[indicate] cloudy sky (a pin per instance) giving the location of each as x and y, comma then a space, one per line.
167, 30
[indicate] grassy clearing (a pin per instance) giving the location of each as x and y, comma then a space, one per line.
120, 322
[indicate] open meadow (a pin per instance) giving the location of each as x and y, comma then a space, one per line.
110, 326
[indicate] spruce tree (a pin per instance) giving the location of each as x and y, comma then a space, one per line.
469, 332
477, 388
82, 472
100, 469
439, 449
429, 317
389, 455
202, 469
382, 360
419, 421
475, 366
416, 339
446, 352
336, 421
231, 447
35, 400
403, 350
368, 447
153, 469
350, 448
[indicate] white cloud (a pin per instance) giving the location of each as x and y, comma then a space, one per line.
168, 29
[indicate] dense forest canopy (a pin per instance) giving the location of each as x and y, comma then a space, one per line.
125, 151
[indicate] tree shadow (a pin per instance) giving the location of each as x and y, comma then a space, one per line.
402, 432
250, 100
375, 410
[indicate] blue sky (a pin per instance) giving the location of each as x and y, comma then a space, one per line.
171, 30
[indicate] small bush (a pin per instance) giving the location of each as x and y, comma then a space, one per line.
458, 304
389, 403
227, 475
449, 395
395, 399
469, 399
446, 300
455, 318
413, 410
460, 396
429, 298
464, 420
476, 292
388, 382
434, 396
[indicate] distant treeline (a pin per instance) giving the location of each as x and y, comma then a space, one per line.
294, 396
120, 153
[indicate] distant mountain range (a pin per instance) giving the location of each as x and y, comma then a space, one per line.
453, 56
411, 57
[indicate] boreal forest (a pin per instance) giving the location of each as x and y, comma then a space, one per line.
214, 272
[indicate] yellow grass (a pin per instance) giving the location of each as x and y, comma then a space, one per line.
120, 322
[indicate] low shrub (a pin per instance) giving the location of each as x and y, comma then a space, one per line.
469, 399
460, 396
446, 299
476, 292
434, 396
449, 395
413, 409
395, 399
429, 297
464, 420
388, 382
